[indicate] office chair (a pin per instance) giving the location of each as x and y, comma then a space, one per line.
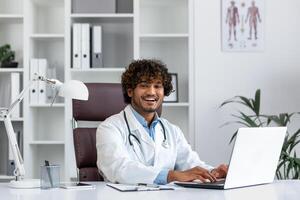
105, 99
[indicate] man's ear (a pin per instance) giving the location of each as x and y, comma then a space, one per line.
129, 92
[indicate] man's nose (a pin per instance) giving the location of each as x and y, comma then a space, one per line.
151, 90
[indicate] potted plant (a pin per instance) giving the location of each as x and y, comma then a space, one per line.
289, 164
7, 57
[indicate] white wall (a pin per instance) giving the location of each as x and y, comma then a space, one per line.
221, 75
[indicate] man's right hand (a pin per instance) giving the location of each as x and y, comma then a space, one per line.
191, 174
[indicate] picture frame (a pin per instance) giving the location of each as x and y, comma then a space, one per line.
173, 97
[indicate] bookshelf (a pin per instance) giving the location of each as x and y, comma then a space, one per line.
160, 29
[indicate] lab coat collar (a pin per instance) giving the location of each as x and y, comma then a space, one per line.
137, 128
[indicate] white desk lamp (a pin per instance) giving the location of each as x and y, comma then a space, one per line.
71, 89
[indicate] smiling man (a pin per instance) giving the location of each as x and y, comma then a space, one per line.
138, 146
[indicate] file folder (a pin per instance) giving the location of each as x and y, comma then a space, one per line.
76, 57
34, 63
85, 46
42, 96
14, 92
97, 61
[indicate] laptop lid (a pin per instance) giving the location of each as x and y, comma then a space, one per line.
254, 159
255, 156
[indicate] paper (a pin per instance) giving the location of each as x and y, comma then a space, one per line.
136, 188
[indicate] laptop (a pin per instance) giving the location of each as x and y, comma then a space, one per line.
253, 161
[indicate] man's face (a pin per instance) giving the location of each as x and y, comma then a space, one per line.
147, 96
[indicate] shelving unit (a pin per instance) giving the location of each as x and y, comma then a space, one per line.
158, 29
11, 32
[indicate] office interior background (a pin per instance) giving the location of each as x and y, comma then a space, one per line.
185, 34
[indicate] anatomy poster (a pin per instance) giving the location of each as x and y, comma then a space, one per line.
242, 25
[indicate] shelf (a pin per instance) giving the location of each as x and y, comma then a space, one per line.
11, 18
165, 35
55, 105
9, 70
176, 104
113, 17
104, 15
99, 70
42, 142
15, 119
47, 36
5, 177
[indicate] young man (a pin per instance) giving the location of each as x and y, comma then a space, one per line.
137, 146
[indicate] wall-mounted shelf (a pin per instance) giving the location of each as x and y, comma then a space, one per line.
98, 70
11, 18
45, 36
55, 105
9, 70
46, 142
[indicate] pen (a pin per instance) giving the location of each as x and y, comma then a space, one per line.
148, 185
48, 171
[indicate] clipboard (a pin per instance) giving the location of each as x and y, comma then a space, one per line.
138, 187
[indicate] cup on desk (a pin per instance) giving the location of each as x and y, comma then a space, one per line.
50, 176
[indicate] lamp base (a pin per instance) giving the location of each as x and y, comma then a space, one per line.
26, 183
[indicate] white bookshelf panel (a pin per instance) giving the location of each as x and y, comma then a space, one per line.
47, 16
18, 127
98, 77
53, 51
117, 41
47, 124
11, 6
12, 34
178, 116
174, 53
168, 16
102, 6
53, 153
11, 19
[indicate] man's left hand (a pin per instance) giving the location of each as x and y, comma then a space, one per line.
220, 171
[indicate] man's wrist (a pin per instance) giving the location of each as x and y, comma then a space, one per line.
172, 176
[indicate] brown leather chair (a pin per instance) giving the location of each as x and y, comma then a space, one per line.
105, 99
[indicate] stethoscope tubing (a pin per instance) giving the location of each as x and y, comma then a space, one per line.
136, 138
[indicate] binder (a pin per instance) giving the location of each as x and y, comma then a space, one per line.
34, 63
85, 46
42, 67
97, 59
76, 61
14, 92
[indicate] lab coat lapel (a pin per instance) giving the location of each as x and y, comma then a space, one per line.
137, 128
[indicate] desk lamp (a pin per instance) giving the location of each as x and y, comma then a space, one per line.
72, 89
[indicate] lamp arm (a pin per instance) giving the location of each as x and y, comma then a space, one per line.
20, 97
19, 171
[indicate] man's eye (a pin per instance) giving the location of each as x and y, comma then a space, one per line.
143, 85
158, 86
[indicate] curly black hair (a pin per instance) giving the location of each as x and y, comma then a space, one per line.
150, 69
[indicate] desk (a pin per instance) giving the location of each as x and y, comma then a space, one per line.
279, 190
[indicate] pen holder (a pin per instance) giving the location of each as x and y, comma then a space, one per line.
50, 176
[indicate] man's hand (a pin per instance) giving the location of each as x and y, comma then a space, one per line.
191, 174
220, 171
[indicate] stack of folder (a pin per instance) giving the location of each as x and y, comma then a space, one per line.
87, 46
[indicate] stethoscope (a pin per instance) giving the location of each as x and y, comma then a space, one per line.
164, 143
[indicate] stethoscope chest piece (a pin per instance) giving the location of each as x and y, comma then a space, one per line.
165, 144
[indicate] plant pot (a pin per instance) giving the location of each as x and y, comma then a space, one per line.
9, 65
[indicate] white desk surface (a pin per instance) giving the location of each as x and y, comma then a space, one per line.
279, 190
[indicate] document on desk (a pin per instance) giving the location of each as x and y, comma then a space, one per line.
138, 187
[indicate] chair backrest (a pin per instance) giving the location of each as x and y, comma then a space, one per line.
105, 99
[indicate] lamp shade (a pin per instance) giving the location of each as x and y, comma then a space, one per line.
74, 89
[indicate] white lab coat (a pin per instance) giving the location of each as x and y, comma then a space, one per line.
119, 162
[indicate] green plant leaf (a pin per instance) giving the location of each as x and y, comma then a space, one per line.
256, 102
